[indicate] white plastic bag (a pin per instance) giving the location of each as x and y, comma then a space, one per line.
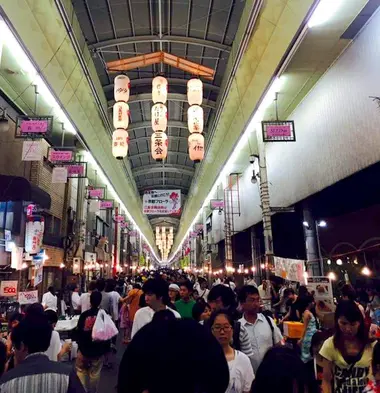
104, 328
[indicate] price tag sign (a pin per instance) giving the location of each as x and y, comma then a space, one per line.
8, 288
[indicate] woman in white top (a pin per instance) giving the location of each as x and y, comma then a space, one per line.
49, 300
56, 350
241, 371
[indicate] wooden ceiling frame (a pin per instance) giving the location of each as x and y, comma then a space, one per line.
161, 57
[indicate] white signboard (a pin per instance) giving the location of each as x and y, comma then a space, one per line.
28, 297
16, 258
38, 275
162, 202
290, 269
8, 288
59, 175
31, 151
8, 240
94, 206
34, 231
90, 257
321, 288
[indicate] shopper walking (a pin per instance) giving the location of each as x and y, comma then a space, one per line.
185, 305
85, 297
49, 300
89, 362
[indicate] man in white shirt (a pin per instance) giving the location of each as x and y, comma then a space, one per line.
265, 295
262, 331
49, 300
85, 297
156, 293
201, 287
75, 300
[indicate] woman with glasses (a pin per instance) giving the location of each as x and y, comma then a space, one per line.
241, 372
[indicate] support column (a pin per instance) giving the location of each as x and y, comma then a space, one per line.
265, 202
313, 256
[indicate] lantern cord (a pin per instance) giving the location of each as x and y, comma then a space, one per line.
63, 134
96, 177
35, 99
276, 105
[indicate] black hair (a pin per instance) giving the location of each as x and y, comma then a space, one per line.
158, 287
95, 299
163, 315
16, 316
318, 339
376, 357
187, 284
92, 285
289, 291
348, 291
163, 344
245, 291
52, 316
100, 284
3, 357
34, 332
110, 285
198, 309
303, 291
142, 302
34, 309
349, 310
51, 290
289, 370
136, 286
225, 293
225, 312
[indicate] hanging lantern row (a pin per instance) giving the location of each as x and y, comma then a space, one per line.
159, 118
195, 119
120, 137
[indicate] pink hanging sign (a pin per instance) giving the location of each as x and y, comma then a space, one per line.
96, 193
75, 170
60, 156
106, 204
277, 130
217, 204
34, 126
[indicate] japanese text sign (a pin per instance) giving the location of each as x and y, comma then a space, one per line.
162, 202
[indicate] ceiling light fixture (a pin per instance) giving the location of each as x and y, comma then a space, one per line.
324, 11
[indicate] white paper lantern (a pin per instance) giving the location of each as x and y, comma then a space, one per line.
159, 117
159, 89
195, 119
194, 91
120, 139
34, 231
122, 86
159, 146
121, 115
196, 147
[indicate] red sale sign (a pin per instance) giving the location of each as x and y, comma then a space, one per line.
8, 288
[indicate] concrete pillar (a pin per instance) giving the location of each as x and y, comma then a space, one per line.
311, 243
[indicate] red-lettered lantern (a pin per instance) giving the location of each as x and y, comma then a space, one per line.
159, 117
121, 115
120, 139
196, 147
34, 231
159, 90
194, 91
195, 118
122, 86
159, 145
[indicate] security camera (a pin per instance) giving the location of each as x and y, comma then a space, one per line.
254, 179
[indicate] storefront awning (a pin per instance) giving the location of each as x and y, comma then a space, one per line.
14, 188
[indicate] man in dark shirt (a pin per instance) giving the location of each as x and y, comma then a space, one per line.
89, 362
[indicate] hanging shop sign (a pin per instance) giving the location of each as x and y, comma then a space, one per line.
119, 218
31, 151
94, 206
162, 202
106, 204
290, 269
34, 231
77, 170
124, 224
33, 126
59, 156
193, 234
216, 204
98, 192
132, 233
29, 297
321, 289
8, 288
59, 175
38, 275
278, 131
16, 257
8, 241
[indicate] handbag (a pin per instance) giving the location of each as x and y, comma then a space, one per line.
104, 328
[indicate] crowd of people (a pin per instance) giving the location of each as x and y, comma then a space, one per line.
182, 333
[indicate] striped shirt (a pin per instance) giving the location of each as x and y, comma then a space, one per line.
37, 374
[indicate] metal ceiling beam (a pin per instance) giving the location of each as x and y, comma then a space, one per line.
168, 168
171, 97
168, 220
171, 124
155, 38
171, 81
170, 138
149, 154
165, 187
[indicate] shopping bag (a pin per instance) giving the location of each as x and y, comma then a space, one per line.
104, 328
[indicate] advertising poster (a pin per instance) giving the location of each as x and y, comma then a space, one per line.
290, 269
29, 297
321, 289
162, 202
8, 288
31, 151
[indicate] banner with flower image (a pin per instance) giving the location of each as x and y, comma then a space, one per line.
162, 202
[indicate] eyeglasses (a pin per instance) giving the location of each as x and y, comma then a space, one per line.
219, 328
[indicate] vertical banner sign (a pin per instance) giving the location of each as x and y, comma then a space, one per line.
163, 202
34, 231
59, 175
16, 258
321, 288
31, 151
8, 240
8, 288
38, 275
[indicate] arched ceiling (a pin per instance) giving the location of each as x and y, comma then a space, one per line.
201, 31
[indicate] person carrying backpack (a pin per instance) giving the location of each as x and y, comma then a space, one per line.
223, 297
262, 331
